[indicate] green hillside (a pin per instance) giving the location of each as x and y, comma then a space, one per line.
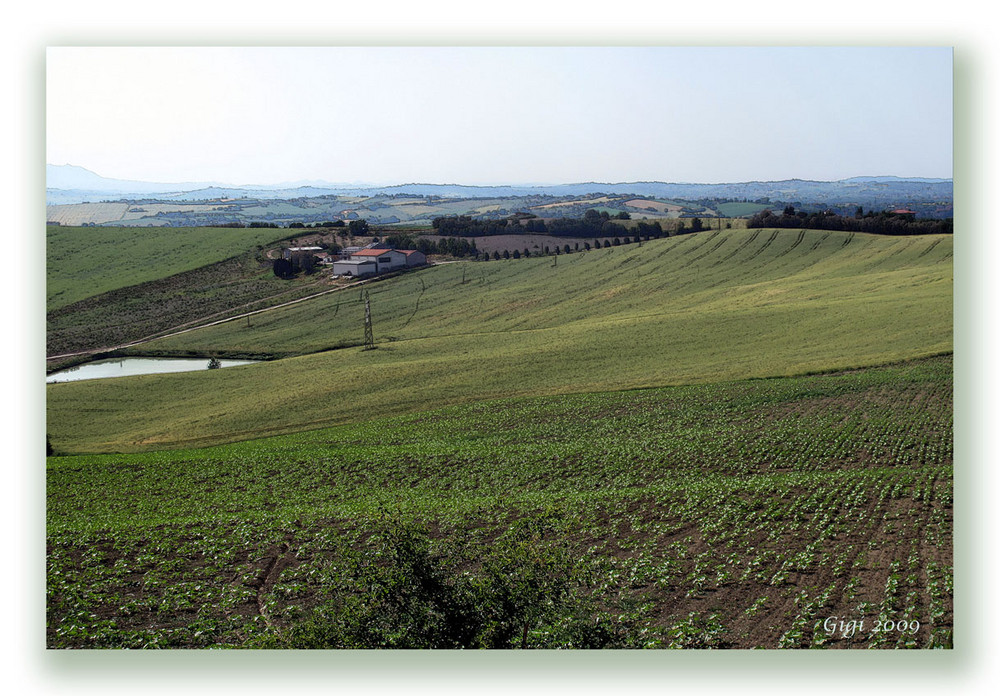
698, 308
85, 261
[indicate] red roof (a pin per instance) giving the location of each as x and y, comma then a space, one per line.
372, 252
407, 251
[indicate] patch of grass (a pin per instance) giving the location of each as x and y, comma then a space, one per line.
228, 288
85, 261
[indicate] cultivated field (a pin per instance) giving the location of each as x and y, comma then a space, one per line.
653, 205
592, 202
763, 513
76, 214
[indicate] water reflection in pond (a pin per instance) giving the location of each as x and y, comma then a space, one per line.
124, 367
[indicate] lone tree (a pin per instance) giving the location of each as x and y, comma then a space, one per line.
283, 268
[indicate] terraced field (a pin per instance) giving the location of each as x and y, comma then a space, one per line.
700, 308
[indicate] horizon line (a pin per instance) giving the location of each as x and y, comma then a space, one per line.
368, 185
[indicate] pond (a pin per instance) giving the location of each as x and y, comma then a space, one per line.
124, 367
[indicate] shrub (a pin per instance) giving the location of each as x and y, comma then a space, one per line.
411, 593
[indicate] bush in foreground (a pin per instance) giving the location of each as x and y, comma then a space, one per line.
411, 593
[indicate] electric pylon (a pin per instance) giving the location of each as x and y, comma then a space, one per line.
369, 340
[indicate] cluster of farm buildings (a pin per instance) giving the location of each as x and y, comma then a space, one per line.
369, 260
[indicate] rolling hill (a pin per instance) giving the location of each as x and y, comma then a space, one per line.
700, 308
86, 261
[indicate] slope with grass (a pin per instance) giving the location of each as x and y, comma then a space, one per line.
228, 288
85, 261
718, 305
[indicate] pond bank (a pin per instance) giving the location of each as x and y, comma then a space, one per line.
129, 366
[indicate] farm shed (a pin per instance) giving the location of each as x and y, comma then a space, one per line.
387, 259
360, 267
292, 251
414, 257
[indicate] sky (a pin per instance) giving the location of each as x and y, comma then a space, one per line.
482, 115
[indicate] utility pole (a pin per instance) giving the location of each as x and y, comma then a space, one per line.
369, 341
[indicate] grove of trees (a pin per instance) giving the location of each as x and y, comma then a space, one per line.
594, 223
451, 246
871, 222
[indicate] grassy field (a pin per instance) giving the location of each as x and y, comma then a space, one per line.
240, 284
85, 261
698, 308
765, 513
736, 209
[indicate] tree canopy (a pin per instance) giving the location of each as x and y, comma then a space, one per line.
886, 222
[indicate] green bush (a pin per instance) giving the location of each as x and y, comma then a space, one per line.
412, 593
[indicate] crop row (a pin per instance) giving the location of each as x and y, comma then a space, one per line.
731, 515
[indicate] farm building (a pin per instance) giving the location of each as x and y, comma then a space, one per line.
292, 251
374, 259
413, 257
357, 268
386, 259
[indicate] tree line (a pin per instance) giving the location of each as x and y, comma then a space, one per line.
451, 246
885, 222
359, 226
594, 223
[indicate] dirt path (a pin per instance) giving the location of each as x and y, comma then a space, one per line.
278, 559
202, 323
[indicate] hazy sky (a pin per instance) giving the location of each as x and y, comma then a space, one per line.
486, 115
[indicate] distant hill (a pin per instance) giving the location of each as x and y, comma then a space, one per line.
64, 181
68, 177
871, 191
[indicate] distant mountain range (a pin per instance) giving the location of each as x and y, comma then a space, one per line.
72, 184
